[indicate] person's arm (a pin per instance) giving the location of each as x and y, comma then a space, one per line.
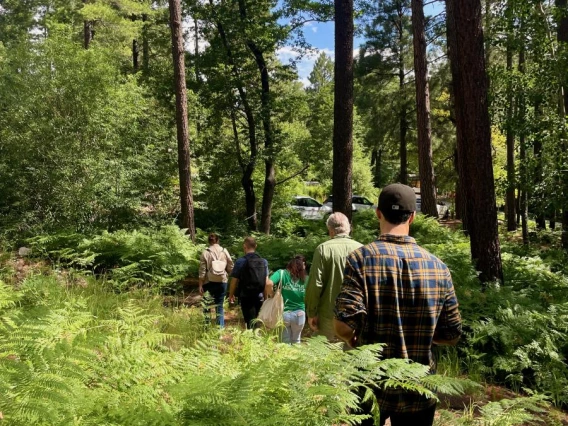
230, 263
314, 289
269, 287
202, 270
351, 304
232, 289
449, 326
345, 333
235, 276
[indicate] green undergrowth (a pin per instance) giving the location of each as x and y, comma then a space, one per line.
515, 332
83, 355
146, 257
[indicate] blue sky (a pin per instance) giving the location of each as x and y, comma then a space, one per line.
320, 36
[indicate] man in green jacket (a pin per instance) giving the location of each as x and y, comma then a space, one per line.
326, 275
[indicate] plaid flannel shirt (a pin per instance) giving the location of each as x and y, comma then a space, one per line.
395, 292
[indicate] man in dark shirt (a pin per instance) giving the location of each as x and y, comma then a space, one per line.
250, 275
395, 292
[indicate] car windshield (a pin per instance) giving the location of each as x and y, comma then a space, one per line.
362, 200
312, 203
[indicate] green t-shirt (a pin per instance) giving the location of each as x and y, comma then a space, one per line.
293, 291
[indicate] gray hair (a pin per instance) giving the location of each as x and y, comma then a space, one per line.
339, 223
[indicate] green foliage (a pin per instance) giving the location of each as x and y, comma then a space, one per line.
88, 150
161, 257
506, 412
129, 364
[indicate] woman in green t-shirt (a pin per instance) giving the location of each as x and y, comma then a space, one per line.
293, 280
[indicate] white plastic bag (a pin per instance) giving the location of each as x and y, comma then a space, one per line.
272, 309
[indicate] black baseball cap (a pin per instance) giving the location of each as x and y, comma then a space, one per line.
397, 197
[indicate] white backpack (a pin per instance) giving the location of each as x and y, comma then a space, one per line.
216, 270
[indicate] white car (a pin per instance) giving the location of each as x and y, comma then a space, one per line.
309, 208
358, 202
443, 209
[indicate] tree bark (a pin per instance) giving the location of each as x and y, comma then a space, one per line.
178, 54
246, 180
523, 152
463, 201
487, 30
266, 113
472, 115
343, 108
425, 162
403, 149
145, 45
562, 36
538, 170
511, 177
87, 31
135, 55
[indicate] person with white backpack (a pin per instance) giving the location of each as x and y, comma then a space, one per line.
215, 265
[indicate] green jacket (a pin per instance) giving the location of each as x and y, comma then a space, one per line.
326, 275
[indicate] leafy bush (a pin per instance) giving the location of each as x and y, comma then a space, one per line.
162, 257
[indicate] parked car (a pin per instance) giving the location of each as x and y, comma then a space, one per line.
309, 208
443, 207
358, 202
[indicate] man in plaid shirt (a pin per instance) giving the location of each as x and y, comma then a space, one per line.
395, 292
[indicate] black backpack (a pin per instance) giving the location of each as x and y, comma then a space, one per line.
253, 276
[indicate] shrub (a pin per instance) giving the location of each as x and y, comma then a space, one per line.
161, 257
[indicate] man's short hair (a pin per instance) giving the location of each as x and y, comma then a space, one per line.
339, 223
250, 242
396, 217
213, 238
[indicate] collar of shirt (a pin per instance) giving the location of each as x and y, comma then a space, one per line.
341, 236
398, 239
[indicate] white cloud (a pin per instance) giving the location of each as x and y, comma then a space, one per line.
305, 63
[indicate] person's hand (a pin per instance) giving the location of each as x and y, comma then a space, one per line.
232, 299
313, 323
200, 289
354, 342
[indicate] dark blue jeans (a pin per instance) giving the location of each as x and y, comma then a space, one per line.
216, 297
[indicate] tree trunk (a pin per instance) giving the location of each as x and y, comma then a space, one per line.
487, 32
145, 45
562, 36
403, 151
246, 181
266, 113
343, 108
425, 162
376, 161
269, 172
87, 31
135, 55
463, 200
523, 151
511, 177
472, 115
538, 170
248, 170
178, 54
